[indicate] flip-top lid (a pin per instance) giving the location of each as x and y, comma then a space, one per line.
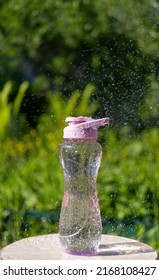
83, 127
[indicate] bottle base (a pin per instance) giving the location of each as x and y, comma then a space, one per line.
81, 253
79, 245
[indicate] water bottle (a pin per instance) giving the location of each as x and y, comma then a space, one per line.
80, 224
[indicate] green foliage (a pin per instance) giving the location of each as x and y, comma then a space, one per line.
64, 45
128, 185
33, 183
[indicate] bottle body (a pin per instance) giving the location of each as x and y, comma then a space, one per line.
80, 224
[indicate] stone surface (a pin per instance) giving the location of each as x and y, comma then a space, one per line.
47, 247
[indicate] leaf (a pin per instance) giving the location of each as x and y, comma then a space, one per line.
72, 103
57, 106
83, 106
4, 117
18, 100
5, 93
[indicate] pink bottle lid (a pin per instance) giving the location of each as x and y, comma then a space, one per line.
83, 128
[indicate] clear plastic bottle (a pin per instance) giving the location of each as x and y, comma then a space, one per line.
80, 224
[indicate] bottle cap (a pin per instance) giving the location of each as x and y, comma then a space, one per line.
83, 128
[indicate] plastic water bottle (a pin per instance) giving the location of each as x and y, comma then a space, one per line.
80, 224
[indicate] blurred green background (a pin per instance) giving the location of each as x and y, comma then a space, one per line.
81, 57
